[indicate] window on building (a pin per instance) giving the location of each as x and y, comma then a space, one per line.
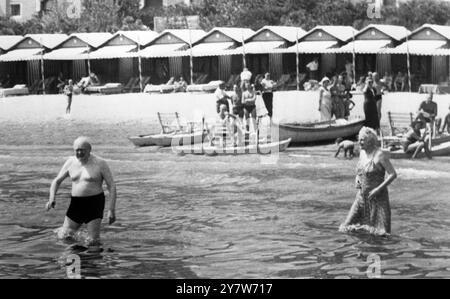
16, 10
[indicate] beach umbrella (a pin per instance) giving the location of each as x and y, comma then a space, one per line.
140, 64
42, 66
297, 61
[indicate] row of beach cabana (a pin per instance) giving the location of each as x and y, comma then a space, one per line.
222, 53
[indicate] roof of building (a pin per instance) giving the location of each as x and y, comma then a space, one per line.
48, 40
93, 39
442, 30
393, 31
289, 33
142, 37
237, 34
7, 41
342, 33
186, 35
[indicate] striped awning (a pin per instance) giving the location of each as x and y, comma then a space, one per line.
163, 50
421, 47
310, 47
260, 47
214, 49
67, 54
21, 55
365, 47
111, 52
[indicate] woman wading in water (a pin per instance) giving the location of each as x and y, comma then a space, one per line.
371, 210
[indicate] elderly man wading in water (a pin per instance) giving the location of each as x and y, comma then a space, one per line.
87, 173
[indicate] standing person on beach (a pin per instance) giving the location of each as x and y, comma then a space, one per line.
87, 172
313, 67
68, 91
325, 101
379, 88
337, 94
370, 106
371, 210
267, 93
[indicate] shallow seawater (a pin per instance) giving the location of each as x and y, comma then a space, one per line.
223, 217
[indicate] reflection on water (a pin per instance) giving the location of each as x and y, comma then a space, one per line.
224, 217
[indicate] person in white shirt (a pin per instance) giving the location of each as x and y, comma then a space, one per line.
268, 86
221, 97
313, 68
246, 76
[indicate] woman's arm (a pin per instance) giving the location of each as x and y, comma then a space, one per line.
383, 159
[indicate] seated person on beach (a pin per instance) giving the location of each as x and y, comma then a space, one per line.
346, 145
413, 142
221, 97
399, 82
91, 80
446, 122
427, 112
181, 85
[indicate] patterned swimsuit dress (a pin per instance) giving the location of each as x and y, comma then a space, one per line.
372, 215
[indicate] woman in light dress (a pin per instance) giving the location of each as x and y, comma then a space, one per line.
325, 100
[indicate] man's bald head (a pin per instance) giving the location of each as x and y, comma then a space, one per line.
82, 148
82, 142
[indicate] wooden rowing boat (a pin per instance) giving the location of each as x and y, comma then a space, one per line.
442, 149
168, 139
320, 131
211, 150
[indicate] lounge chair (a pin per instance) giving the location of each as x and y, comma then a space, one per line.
201, 79
16, 90
232, 81
208, 88
170, 122
399, 124
130, 84
160, 88
137, 86
48, 82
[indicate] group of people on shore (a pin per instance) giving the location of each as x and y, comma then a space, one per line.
237, 110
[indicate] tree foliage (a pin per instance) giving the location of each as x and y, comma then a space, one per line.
104, 16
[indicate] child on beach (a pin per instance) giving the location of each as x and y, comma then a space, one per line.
68, 91
348, 104
348, 147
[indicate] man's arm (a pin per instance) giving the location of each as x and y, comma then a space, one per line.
62, 175
108, 177
338, 151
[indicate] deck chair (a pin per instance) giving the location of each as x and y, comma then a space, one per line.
137, 86
231, 81
48, 84
202, 79
131, 82
399, 124
35, 86
170, 122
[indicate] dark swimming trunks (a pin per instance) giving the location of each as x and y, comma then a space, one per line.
85, 209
